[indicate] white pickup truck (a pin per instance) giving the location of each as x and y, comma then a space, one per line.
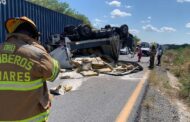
145, 47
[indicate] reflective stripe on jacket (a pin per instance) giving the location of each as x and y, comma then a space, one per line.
24, 68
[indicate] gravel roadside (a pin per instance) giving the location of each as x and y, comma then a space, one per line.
157, 108
161, 102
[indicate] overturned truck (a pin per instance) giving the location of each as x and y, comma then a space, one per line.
83, 41
92, 52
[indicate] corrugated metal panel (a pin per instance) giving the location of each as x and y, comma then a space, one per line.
47, 21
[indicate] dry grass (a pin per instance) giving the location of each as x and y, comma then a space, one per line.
148, 103
166, 84
178, 62
153, 79
159, 80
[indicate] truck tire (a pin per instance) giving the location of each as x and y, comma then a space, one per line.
115, 46
84, 31
124, 30
107, 27
113, 49
69, 30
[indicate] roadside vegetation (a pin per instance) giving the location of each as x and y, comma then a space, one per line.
177, 61
159, 80
62, 7
136, 39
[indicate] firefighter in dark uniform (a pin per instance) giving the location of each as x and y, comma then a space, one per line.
152, 55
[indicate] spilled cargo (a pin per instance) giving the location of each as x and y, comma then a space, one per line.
92, 52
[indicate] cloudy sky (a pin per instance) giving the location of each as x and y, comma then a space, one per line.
163, 21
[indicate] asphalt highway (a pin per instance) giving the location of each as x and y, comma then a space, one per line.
101, 99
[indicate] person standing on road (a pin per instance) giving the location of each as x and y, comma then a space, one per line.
24, 68
139, 52
152, 55
159, 54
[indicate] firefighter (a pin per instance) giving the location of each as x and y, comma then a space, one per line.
152, 55
25, 66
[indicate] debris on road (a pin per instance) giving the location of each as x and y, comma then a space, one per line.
93, 66
96, 65
61, 89
70, 75
125, 68
104, 70
86, 66
89, 73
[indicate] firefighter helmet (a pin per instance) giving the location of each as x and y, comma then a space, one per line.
13, 24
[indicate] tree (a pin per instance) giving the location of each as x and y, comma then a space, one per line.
62, 7
136, 40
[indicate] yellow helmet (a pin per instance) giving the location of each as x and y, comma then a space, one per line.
13, 23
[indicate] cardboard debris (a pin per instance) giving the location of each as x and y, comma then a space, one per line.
130, 67
123, 65
76, 64
58, 90
86, 65
104, 70
89, 73
120, 69
70, 75
96, 65
67, 88
61, 89
92, 66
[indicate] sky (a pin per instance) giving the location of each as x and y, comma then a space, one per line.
161, 21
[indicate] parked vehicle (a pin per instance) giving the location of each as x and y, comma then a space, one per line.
145, 47
124, 51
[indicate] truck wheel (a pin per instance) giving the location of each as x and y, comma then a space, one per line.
115, 46
124, 30
69, 30
84, 31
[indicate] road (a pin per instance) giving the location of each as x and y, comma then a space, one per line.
101, 99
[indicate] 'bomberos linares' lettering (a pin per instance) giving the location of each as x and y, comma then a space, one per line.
17, 60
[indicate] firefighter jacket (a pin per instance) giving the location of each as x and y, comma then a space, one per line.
25, 66
152, 51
